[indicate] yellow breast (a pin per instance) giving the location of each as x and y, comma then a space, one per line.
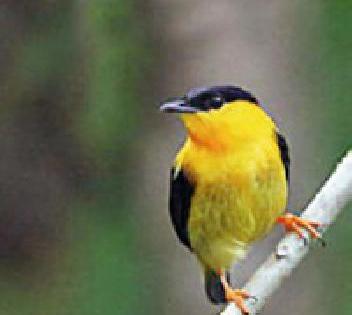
240, 187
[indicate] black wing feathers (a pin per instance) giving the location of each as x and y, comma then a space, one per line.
284, 152
181, 191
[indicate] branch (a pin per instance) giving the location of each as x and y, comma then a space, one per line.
324, 208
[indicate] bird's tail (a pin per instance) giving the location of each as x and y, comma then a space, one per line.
213, 286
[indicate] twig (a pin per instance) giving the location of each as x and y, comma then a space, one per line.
326, 205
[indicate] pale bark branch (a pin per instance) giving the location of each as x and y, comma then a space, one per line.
324, 208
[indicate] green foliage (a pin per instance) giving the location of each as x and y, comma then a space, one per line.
330, 74
73, 87
108, 120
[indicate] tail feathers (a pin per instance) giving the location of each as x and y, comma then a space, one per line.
214, 288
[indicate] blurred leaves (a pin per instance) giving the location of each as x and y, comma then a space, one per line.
326, 53
335, 87
108, 120
69, 112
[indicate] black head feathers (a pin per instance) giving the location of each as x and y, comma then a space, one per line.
207, 98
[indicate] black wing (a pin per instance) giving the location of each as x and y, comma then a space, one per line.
181, 191
284, 152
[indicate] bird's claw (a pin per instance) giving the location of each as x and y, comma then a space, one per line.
296, 224
322, 241
238, 297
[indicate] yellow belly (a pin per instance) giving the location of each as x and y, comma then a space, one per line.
230, 212
233, 159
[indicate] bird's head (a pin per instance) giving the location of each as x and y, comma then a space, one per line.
218, 117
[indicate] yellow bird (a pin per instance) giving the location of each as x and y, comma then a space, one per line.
229, 182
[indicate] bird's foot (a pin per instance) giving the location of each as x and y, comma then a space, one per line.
238, 297
295, 224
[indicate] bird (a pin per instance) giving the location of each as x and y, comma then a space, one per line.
228, 183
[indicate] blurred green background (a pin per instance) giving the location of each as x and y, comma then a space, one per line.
85, 154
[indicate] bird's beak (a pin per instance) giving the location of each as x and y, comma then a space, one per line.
177, 105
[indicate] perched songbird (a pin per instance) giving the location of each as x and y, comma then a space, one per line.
229, 182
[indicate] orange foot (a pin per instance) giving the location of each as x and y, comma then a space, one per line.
236, 296
296, 224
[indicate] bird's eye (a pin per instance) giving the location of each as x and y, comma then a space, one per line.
216, 102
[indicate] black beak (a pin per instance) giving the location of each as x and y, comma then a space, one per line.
177, 105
